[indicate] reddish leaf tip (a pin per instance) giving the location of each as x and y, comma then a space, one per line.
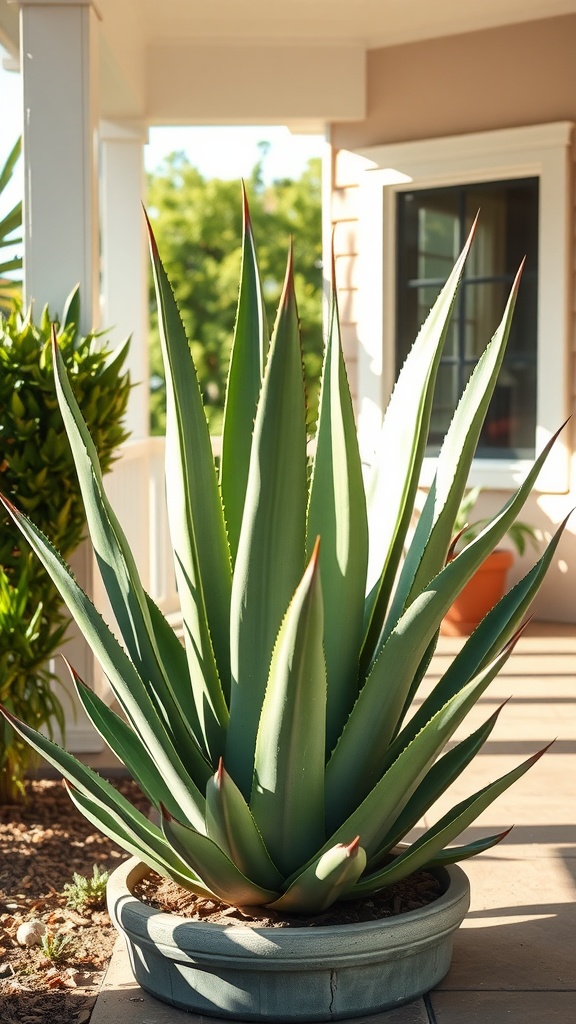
151, 238
165, 812
353, 847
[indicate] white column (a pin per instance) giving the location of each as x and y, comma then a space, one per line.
60, 70
59, 59
124, 307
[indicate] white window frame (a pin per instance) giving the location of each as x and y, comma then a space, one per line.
541, 151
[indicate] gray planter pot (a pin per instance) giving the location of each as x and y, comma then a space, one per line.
287, 974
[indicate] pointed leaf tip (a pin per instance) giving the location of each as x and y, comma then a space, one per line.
165, 812
245, 206
73, 672
151, 238
353, 847
315, 553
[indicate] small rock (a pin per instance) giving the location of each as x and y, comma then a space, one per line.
30, 933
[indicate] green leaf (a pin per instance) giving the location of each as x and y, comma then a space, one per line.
361, 751
457, 853
429, 846
201, 555
245, 375
229, 823
399, 456
112, 808
170, 866
128, 747
71, 312
495, 630
287, 798
427, 552
337, 514
116, 562
375, 816
271, 548
126, 684
10, 163
436, 781
324, 881
213, 866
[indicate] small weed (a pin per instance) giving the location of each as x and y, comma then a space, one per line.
83, 893
56, 947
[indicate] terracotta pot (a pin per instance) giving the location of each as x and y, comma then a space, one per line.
481, 593
287, 974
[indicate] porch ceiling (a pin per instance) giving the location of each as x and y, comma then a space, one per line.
302, 63
368, 23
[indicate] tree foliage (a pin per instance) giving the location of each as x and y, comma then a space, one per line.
197, 223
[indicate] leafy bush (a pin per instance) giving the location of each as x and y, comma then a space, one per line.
37, 473
10, 223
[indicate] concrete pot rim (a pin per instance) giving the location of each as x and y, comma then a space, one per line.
255, 947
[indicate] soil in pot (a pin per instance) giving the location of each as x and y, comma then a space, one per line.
411, 893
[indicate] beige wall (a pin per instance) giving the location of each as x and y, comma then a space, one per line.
501, 78
498, 78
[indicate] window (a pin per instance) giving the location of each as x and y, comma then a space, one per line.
416, 201
432, 226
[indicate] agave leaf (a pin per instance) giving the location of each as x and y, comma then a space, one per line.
287, 798
362, 748
175, 663
127, 819
456, 853
436, 781
490, 636
376, 815
327, 879
401, 449
427, 552
229, 823
170, 866
126, 684
201, 554
271, 548
432, 843
245, 375
116, 562
213, 866
337, 514
128, 747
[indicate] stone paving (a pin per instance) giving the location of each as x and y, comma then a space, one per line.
515, 955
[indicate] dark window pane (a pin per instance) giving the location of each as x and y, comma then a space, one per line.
432, 227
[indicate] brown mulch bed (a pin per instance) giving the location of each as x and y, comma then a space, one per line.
42, 844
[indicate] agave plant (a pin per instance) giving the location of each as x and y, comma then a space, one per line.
279, 744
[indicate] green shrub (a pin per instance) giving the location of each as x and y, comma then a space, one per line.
37, 474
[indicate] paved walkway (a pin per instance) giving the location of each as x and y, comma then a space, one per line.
515, 956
